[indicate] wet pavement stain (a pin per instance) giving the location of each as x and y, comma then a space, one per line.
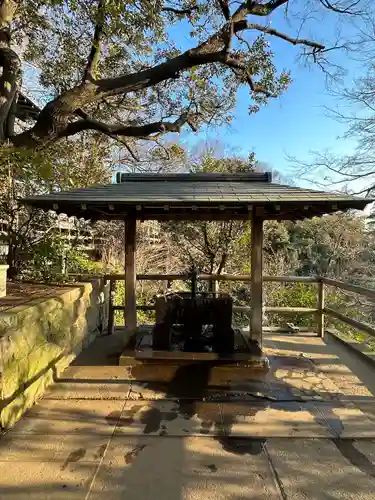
113, 417
242, 446
131, 455
187, 408
73, 457
211, 467
100, 452
356, 458
122, 419
152, 419
190, 382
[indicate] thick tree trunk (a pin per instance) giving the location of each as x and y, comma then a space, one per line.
56, 116
11, 70
9, 81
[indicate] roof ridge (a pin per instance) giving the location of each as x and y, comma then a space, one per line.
195, 177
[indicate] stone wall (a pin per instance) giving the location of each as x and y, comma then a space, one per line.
40, 339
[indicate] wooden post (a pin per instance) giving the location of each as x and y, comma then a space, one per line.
215, 288
256, 278
130, 278
321, 305
111, 312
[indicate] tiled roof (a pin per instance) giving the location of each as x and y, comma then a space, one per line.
195, 189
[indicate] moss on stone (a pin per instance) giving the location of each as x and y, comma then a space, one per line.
41, 340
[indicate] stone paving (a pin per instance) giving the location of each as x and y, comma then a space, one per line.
306, 431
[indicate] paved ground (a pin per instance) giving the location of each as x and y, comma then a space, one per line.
304, 432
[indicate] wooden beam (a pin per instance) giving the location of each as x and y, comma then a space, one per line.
162, 277
130, 277
292, 279
256, 278
279, 310
224, 277
363, 327
278, 329
246, 277
216, 277
291, 310
367, 292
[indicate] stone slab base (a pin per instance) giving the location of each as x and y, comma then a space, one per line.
166, 366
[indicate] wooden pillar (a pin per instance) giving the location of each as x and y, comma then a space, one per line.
215, 288
321, 305
256, 278
130, 277
111, 312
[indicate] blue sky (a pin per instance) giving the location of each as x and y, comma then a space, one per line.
297, 122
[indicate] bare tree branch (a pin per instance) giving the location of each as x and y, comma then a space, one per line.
336, 8
244, 25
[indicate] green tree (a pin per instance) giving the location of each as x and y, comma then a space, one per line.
77, 162
117, 67
333, 245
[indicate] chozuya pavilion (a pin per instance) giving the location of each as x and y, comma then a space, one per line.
182, 319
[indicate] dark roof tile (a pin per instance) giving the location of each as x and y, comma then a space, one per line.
192, 189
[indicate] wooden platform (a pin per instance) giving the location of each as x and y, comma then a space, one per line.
171, 361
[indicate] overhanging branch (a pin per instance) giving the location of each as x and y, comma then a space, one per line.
238, 65
259, 9
181, 12
95, 45
225, 9
154, 129
55, 120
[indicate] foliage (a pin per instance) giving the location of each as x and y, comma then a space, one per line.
333, 245
53, 258
48, 260
68, 164
123, 69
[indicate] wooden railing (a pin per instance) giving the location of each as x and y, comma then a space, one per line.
320, 310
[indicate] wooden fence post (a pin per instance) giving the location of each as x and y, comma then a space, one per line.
111, 312
215, 288
321, 306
